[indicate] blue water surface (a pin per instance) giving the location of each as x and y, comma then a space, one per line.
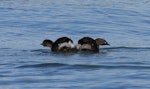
25, 64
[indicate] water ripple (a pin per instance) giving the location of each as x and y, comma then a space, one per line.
87, 66
43, 65
123, 47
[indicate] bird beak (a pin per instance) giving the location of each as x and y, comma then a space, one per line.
108, 44
41, 44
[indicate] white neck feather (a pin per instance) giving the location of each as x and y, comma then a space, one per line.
66, 44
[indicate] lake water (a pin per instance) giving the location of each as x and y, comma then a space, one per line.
25, 64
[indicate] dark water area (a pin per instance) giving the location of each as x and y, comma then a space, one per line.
24, 24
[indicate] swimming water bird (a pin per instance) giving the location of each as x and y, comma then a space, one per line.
63, 44
89, 44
